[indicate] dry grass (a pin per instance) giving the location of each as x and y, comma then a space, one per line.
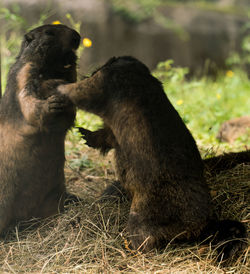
89, 237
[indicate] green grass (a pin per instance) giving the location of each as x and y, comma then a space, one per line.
204, 104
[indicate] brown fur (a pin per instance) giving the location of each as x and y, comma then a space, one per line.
34, 119
157, 159
23, 76
234, 128
104, 140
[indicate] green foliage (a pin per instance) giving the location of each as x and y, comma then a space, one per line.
167, 73
135, 10
205, 104
12, 19
14, 25
81, 163
9, 39
88, 120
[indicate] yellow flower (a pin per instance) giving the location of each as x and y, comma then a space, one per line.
87, 42
56, 22
218, 96
229, 73
179, 102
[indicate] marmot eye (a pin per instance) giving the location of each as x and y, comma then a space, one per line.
29, 37
50, 32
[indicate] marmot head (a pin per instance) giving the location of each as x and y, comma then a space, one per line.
123, 64
124, 77
51, 48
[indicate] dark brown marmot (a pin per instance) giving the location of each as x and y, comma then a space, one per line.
34, 119
157, 159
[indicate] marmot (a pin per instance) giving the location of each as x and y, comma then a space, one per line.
157, 160
34, 119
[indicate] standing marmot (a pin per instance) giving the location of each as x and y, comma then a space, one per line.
34, 119
157, 159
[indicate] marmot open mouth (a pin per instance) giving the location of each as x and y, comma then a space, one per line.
67, 66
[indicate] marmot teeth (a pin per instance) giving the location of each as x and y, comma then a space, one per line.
67, 66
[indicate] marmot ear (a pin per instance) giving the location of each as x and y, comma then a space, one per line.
28, 37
